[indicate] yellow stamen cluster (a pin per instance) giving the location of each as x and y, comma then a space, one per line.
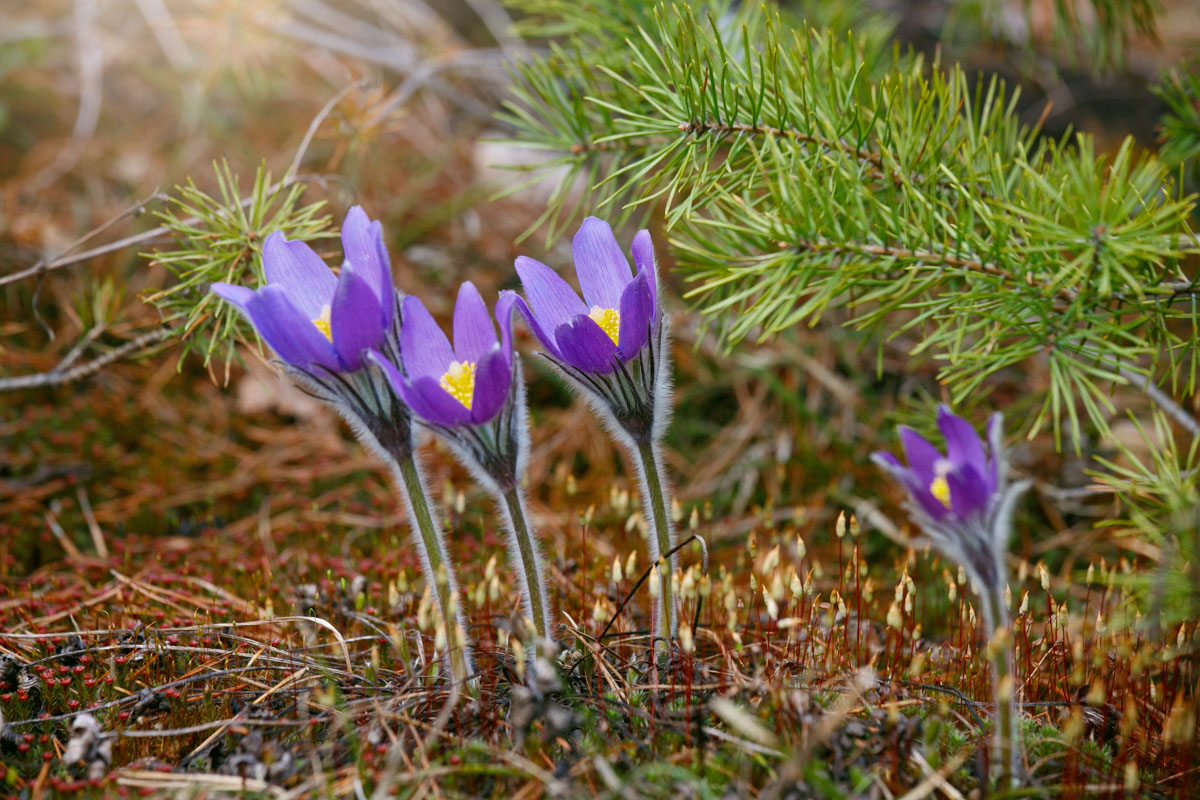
323, 322
609, 320
459, 382
940, 489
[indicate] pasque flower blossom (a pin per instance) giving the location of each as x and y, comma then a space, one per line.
310, 317
963, 502
613, 322
612, 346
321, 325
470, 392
460, 384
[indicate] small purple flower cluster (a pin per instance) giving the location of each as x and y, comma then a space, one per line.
382, 361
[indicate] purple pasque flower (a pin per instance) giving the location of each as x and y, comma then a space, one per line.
956, 485
614, 320
614, 344
962, 499
614, 347
451, 385
309, 316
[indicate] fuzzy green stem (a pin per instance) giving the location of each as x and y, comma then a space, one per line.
1006, 741
436, 565
654, 500
534, 587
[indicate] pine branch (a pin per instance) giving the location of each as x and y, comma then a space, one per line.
803, 171
1180, 90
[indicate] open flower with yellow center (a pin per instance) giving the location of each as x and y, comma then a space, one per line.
448, 385
612, 324
962, 500
956, 485
308, 315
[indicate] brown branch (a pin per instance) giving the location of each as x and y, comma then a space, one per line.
1168, 291
726, 129
64, 371
66, 374
696, 126
1164, 401
66, 259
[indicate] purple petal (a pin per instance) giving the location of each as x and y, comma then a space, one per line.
510, 300
474, 334
504, 308
917, 490
968, 491
493, 380
238, 295
390, 371
552, 301
424, 348
887, 461
307, 279
931, 505
586, 346
995, 434
362, 242
643, 257
922, 456
963, 445
637, 309
355, 319
433, 403
602, 268
288, 331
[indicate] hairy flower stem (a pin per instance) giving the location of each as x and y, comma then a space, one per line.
654, 499
1006, 740
436, 565
533, 587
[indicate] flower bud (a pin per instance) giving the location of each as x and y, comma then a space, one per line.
770, 560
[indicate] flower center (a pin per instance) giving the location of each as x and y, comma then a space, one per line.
609, 320
459, 382
940, 487
322, 322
